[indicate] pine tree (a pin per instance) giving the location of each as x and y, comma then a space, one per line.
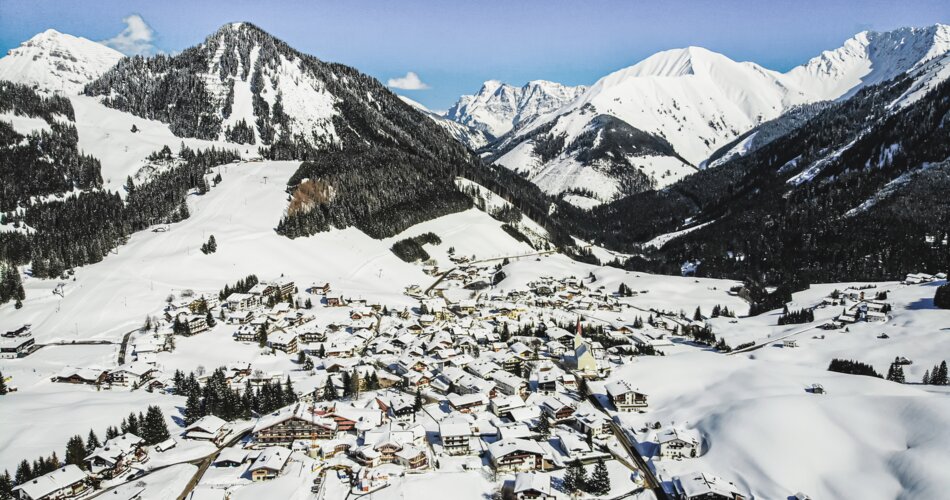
3, 385
111, 432
926, 379
209, 319
76, 451
599, 482
698, 315
24, 472
308, 364
6, 486
155, 429
574, 478
417, 403
941, 377
896, 373
192, 408
290, 395
347, 387
544, 427
92, 442
329, 393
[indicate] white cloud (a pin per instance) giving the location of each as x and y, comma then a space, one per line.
135, 39
409, 82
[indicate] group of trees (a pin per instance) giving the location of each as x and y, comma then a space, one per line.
242, 286
41, 162
353, 384
11, 286
411, 249
796, 317
597, 483
217, 397
852, 367
937, 376
210, 247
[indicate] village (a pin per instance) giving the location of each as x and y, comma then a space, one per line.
511, 383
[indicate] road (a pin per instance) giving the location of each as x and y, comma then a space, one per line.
125, 345
771, 341
204, 463
650, 480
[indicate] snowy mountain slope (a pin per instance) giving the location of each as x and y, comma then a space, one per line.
701, 101
56, 62
607, 159
498, 107
869, 58
470, 136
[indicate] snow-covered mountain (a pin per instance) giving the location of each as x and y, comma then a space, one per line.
56, 62
868, 58
498, 107
471, 137
698, 101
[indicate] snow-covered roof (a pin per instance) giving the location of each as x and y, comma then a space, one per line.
52, 482
272, 458
532, 481
699, 484
505, 447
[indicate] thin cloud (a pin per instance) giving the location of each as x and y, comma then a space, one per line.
136, 39
409, 82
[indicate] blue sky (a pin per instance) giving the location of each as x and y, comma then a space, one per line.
453, 45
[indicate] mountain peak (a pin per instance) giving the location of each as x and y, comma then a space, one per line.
868, 58
57, 62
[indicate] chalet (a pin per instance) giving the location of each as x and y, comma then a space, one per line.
593, 424
412, 457
397, 406
116, 455
502, 406
677, 444
207, 428
238, 317
285, 341
625, 398
335, 300
532, 486
17, 346
510, 384
65, 482
557, 408
90, 376
547, 382
516, 455
231, 457
467, 403
132, 374
456, 436
285, 287
318, 289
702, 486
246, 333
269, 463
291, 423
242, 301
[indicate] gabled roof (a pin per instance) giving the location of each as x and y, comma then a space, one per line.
52, 482
505, 447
